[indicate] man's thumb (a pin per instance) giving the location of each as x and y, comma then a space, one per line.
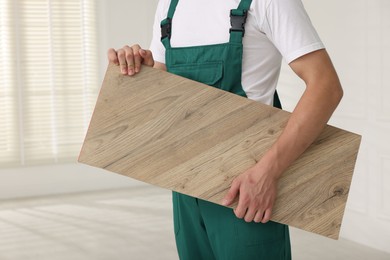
147, 57
232, 193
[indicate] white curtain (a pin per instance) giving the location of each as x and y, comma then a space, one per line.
48, 79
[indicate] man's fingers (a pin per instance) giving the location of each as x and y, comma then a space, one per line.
137, 57
122, 60
250, 214
259, 216
129, 57
267, 216
243, 203
240, 211
112, 57
232, 193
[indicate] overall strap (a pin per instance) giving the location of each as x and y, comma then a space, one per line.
166, 25
237, 20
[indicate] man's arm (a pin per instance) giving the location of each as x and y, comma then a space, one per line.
256, 187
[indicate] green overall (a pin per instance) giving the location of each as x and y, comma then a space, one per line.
204, 230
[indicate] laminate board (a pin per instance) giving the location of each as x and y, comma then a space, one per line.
185, 136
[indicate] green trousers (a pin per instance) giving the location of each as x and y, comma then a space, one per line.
205, 230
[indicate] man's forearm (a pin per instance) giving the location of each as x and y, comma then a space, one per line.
305, 124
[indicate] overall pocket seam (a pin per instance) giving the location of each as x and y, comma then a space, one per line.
217, 66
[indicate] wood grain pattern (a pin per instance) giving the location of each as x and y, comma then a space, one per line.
184, 136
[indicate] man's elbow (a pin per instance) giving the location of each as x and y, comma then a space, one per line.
338, 93
332, 88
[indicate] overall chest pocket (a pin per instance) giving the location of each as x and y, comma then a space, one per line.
210, 73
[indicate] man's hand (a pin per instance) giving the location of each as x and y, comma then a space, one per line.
256, 189
130, 58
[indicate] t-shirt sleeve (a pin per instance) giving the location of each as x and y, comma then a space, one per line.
157, 48
289, 28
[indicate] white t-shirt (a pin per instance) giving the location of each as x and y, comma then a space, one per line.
275, 29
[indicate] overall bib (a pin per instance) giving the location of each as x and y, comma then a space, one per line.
205, 230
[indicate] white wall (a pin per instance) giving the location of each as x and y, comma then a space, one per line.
356, 33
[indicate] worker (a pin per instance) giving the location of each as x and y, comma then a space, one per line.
238, 46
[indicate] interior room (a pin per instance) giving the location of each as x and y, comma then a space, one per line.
53, 58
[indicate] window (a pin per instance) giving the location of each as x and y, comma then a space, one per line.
48, 79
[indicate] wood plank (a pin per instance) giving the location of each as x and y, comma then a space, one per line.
185, 136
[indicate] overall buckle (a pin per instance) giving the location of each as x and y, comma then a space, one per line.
166, 29
238, 22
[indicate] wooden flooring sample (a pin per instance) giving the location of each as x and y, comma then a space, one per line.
184, 136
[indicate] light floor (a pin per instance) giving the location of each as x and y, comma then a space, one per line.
122, 224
